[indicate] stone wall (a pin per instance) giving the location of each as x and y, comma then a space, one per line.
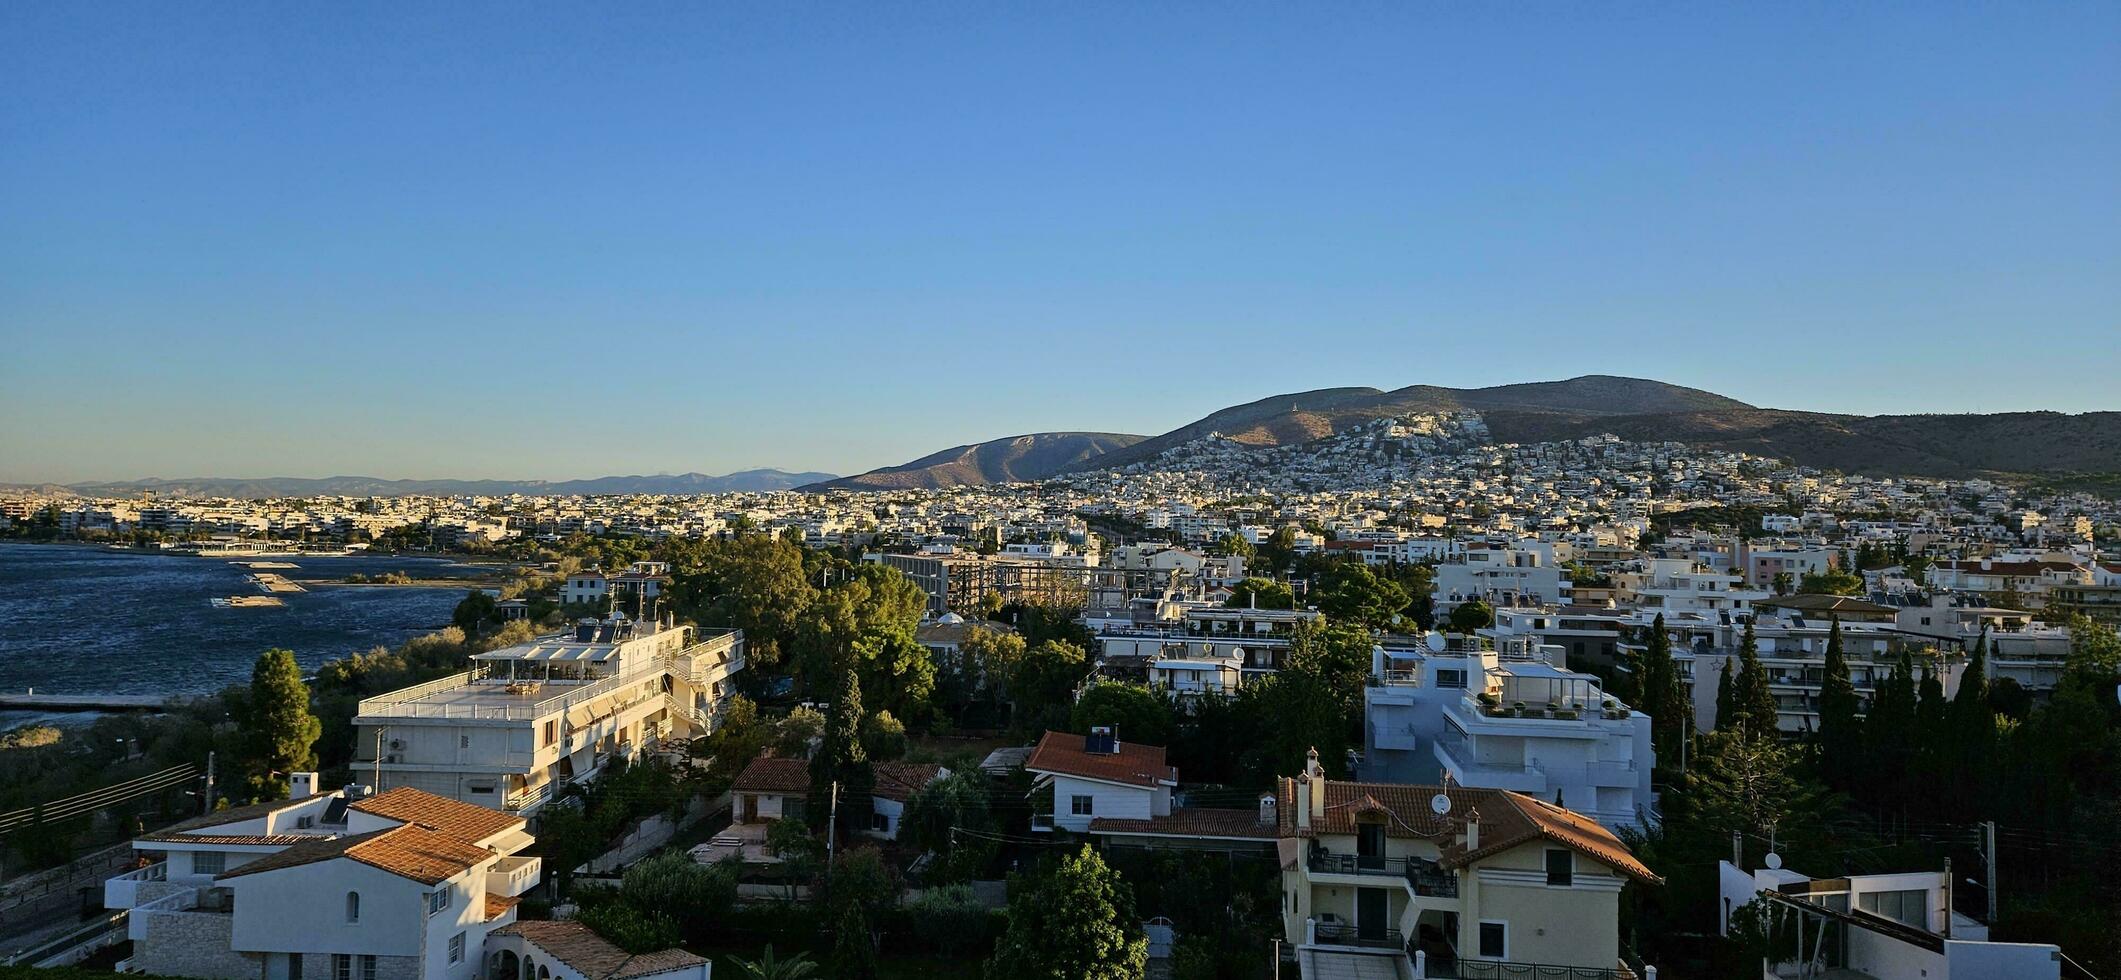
194, 944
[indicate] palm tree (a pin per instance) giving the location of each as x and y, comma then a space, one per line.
797, 967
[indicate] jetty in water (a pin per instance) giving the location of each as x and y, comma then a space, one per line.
32, 701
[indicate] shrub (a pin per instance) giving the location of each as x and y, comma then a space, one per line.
629, 928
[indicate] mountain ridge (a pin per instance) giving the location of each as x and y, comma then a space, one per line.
1010, 459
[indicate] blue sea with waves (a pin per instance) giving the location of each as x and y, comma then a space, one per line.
88, 620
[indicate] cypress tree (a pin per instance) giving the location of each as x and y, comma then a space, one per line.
1663, 698
1755, 701
1726, 707
1973, 726
1891, 733
1840, 730
1935, 747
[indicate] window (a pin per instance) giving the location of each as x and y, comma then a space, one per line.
456, 948
1909, 907
368, 966
353, 906
463, 741
341, 967
1495, 940
1561, 867
208, 862
879, 823
1451, 677
294, 966
552, 731
437, 900
1079, 805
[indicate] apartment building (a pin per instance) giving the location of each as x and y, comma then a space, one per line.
1257, 638
1881, 926
1792, 649
1456, 709
2021, 648
1683, 585
530, 718
1389, 880
401, 885
1500, 577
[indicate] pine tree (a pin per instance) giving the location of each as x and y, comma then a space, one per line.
1840, 737
1726, 707
282, 733
1756, 709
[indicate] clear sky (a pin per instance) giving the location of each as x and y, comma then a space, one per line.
545, 240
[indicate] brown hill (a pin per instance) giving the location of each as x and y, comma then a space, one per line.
1301, 417
1015, 459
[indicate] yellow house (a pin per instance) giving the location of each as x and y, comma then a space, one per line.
1390, 880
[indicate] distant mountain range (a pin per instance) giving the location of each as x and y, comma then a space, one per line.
370, 486
1016, 459
1636, 409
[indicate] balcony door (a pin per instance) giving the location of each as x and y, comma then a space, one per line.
1372, 909
1370, 846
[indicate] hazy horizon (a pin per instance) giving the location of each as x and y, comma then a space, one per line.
493, 242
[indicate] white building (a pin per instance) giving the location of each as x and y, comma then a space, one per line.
403, 885
527, 719
1455, 708
1881, 926
1097, 775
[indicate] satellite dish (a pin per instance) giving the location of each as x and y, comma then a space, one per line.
1774, 861
1441, 803
1434, 642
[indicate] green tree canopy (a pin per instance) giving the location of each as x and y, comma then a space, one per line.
282, 732
1074, 922
1140, 714
1261, 593
1470, 615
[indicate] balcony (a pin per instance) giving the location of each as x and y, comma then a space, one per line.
123, 891
1426, 878
512, 876
1341, 934
1388, 735
529, 797
1430, 880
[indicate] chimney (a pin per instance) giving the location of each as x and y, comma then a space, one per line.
301, 785
1266, 809
1317, 774
1473, 829
1303, 799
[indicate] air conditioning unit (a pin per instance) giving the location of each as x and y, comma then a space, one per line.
390, 760
397, 743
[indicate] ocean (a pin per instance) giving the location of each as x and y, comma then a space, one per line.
86, 620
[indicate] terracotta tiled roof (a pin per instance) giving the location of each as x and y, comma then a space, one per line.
1136, 765
227, 838
410, 851
589, 954
899, 780
496, 906
1526, 819
465, 821
1506, 820
774, 775
1192, 822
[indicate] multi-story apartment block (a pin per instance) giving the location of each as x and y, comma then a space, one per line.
1258, 639
2025, 650
1454, 708
1389, 880
1500, 577
402, 885
530, 718
1681, 585
1792, 649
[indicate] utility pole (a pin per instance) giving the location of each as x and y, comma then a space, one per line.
1738, 849
1275, 964
208, 799
832, 827
1988, 853
377, 785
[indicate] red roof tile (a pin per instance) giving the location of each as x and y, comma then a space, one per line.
1135, 765
774, 775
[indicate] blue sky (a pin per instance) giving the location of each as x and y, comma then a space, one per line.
528, 240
